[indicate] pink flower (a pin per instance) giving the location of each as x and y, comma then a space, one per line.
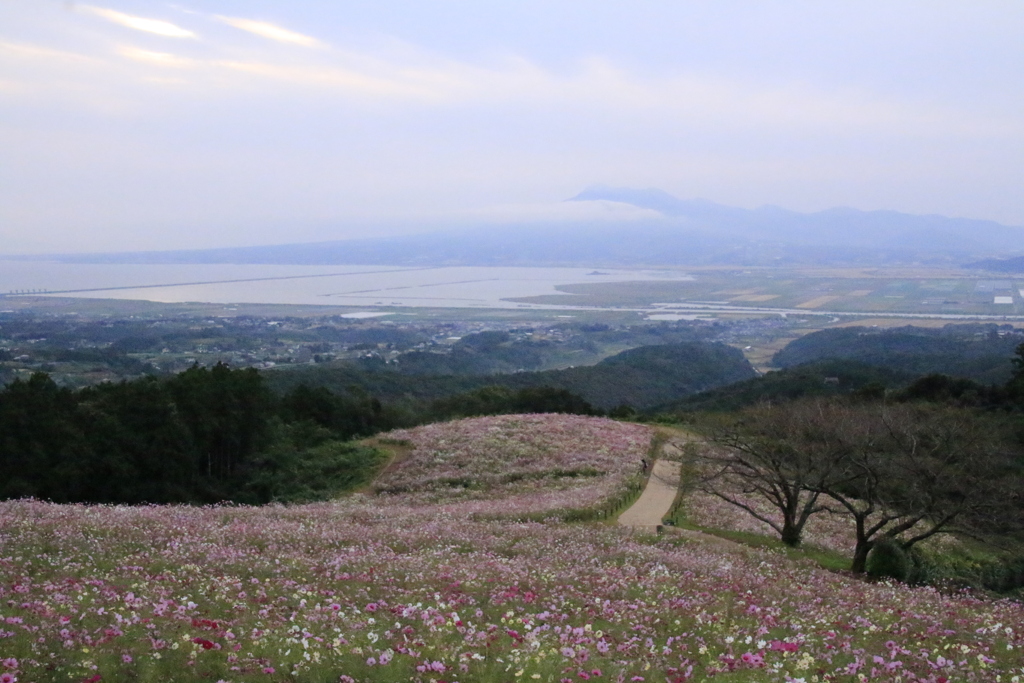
268, 669
751, 659
8, 678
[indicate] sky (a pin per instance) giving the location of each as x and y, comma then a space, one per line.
128, 125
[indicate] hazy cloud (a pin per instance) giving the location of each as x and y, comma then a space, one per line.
159, 58
407, 115
156, 26
265, 29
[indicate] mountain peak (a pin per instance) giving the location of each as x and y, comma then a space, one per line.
652, 198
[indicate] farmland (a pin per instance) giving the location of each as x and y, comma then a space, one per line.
875, 291
447, 580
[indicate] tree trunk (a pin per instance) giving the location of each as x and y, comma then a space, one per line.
791, 534
860, 556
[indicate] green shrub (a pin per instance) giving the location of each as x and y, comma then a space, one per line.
888, 560
299, 475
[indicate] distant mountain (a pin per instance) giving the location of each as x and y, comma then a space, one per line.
682, 232
839, 227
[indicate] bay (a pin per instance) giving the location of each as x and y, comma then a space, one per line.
343, 286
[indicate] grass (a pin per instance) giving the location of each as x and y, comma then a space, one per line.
823, 557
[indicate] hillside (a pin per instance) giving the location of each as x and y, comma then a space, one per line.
831, 377
419, 587
539, 465
641, 377
978, 352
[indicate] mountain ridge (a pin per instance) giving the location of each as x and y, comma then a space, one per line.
688, 232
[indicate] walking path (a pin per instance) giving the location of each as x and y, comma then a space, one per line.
657, 498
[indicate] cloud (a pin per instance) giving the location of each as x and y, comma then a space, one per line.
157, 26
270, 31
395, 73
342, 80
38, 52
159, 58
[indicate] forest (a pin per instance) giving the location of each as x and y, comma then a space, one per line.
213, 434
642, 377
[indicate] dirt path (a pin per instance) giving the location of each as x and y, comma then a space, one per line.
657, 498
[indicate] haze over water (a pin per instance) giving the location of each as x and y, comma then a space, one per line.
311, 285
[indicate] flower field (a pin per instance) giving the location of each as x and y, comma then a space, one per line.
834, 532
403, 587
539, 465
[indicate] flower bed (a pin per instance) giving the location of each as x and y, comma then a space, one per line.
359, 590
432, 586
563, 465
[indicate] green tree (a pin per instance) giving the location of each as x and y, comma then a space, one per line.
227, 413
41, 447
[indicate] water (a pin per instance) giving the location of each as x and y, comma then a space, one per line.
349, 286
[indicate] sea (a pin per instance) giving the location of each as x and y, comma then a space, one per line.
343, 286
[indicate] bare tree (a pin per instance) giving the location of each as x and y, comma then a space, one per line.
901, 472
784, 455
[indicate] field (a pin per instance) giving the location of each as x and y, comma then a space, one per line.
455, 570
875, 291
